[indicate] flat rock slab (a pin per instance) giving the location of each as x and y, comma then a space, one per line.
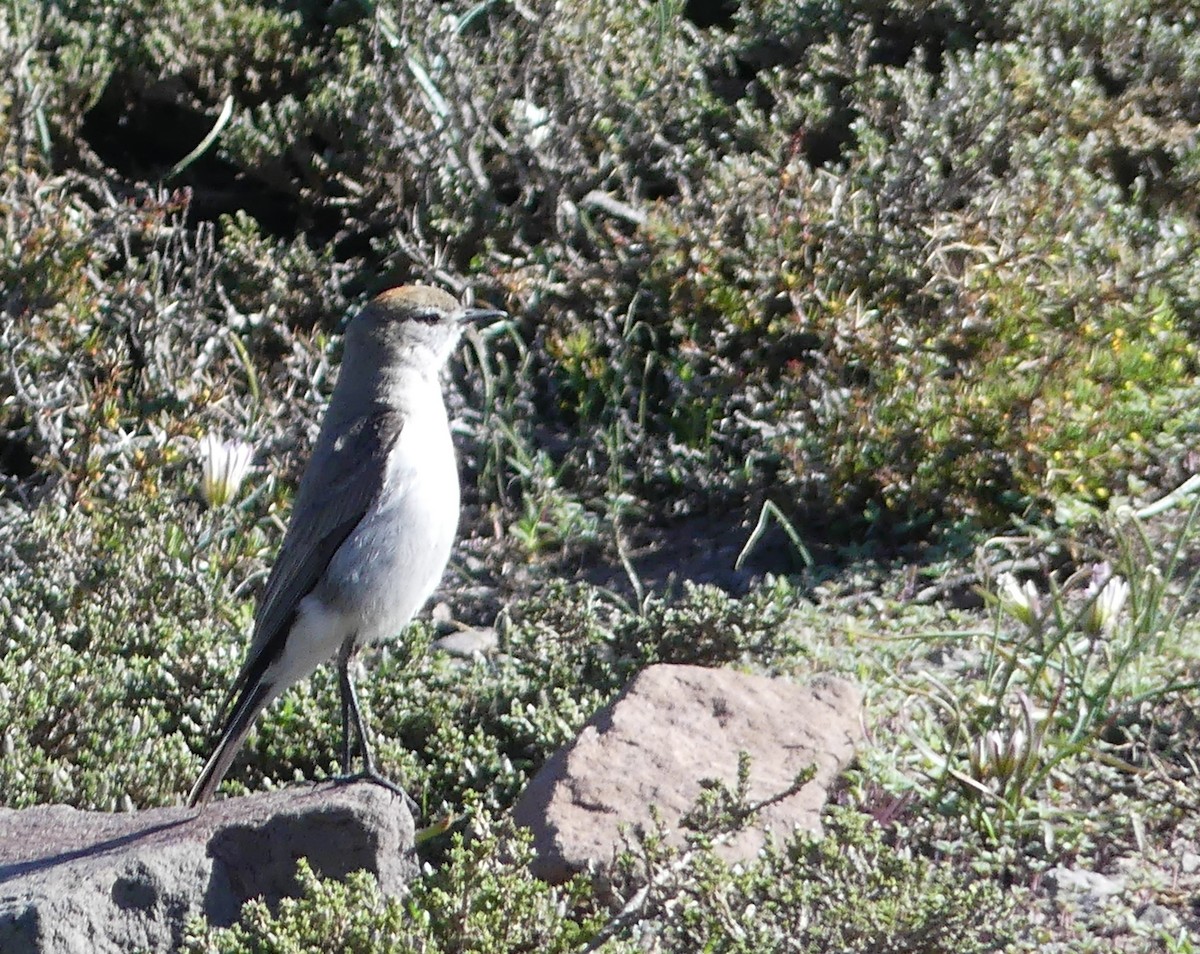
672, 728
91, 881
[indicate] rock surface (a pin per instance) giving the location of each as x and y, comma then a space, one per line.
1088, 890
74, 881
671, 728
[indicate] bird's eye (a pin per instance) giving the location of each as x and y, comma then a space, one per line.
426, 317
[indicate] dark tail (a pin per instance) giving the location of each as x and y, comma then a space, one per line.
252, 701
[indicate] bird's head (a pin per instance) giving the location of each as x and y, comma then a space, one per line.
413, 323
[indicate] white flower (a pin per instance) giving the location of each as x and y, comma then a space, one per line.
1003, 755
532, 121
224, 465
1021, 601
1008, 753
1108, 595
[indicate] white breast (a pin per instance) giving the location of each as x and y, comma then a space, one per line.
393, 561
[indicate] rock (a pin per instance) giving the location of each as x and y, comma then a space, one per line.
671, 728
469, 643
1088, 889
1159, 916
96, 882
441, 615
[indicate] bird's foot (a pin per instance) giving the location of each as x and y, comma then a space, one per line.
373, 775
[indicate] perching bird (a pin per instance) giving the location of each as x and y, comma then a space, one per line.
372, 523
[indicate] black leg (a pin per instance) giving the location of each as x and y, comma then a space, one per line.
360, 726
347, 694
351, 710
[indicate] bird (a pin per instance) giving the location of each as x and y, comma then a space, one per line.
372, 524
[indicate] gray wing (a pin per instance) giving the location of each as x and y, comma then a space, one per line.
343, 479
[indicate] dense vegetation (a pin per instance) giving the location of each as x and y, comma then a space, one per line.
912, 287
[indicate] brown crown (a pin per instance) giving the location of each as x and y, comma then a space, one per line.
414, 297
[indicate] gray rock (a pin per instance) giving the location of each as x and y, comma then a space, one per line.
1088, 889
74, 881
441, 615
1158, 916
671, 728
468, 643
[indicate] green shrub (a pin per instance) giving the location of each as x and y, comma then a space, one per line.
483, 899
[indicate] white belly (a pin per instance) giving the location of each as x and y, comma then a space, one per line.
393, 561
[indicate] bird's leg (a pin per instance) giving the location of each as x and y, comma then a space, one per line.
352, 710
347, 694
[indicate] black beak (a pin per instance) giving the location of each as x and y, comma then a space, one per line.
481, 314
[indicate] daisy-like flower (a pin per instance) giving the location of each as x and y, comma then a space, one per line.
1108, 595
223, 465
998, 754
1008, 753
1021, 601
